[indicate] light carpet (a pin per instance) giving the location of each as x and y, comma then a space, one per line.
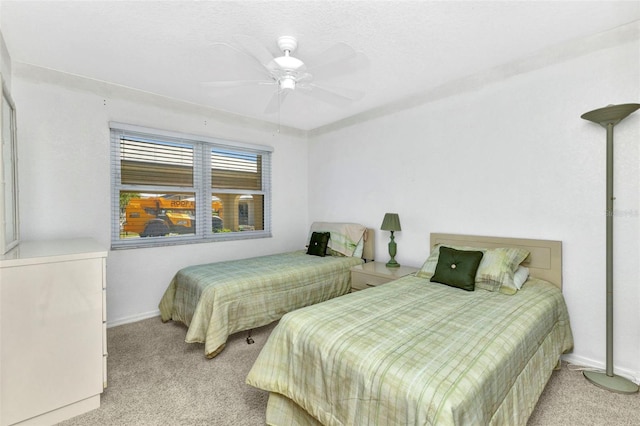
157, 379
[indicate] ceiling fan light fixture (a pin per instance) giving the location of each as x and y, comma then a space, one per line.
287, 82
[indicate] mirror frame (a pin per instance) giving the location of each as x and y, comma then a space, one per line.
9, 238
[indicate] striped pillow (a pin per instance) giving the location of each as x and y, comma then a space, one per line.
496, 269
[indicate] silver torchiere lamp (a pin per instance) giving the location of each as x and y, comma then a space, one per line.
608, 117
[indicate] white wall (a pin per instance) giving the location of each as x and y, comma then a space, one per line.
5, 60
509, 158
5, 63
64, 178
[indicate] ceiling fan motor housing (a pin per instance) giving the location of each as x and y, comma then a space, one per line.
287, 43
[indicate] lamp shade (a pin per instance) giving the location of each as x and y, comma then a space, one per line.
391, 222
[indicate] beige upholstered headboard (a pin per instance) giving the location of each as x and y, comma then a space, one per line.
544, 261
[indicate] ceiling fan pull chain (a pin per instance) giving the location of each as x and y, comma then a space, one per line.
279, 107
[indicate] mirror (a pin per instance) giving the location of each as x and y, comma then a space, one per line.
8, 173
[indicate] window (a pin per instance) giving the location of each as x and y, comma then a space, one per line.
170, 188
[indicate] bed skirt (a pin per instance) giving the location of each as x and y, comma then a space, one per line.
515, 409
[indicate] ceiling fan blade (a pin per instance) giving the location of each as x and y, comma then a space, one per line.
236, 83
357, 63
228, 60
276, 100
254, 48
336, 54
333, 96
338, 92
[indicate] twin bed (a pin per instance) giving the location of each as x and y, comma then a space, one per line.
417, 351
218, 299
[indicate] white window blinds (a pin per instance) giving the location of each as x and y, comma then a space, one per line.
170, 188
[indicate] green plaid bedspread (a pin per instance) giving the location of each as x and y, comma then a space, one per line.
412, 352
218, 299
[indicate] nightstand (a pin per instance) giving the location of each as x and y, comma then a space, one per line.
376, 273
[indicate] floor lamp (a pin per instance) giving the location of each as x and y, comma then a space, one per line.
608, 117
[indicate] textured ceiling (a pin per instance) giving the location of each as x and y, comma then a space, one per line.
169, 47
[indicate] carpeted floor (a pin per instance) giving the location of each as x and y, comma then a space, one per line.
157, 379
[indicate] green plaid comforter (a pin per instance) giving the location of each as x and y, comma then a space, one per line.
413, 352
219, 299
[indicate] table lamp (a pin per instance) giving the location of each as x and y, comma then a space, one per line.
391, 222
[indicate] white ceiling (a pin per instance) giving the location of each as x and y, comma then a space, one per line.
168, 47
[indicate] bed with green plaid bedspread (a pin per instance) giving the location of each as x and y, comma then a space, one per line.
218, 299
412, 352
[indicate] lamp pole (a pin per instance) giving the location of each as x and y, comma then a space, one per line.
608, 117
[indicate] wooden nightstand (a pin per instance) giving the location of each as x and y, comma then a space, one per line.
376, 273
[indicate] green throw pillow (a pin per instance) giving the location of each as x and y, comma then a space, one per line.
496, 270
318, 243
457, 268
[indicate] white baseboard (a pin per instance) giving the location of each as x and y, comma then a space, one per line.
63, 413
133, 318
634, 376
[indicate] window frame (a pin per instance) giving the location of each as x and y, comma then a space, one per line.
202, 187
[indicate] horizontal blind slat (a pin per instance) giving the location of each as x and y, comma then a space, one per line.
148, 163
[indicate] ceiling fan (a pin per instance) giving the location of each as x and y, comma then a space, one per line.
326, 78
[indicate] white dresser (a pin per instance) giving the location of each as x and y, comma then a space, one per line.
53, 346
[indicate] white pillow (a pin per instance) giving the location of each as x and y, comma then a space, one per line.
520, 276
